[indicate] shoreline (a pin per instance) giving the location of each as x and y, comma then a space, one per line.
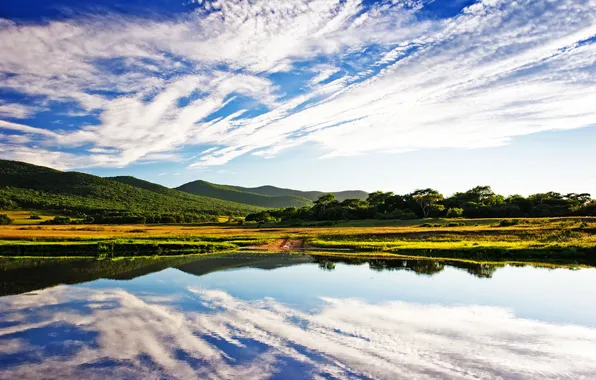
548, 240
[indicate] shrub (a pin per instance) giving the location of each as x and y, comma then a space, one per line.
508, 222
4, 219
455, 212
59, 220
34, 216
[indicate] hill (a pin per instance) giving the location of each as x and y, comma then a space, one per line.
311, 195
235, 194
36, 187
264, 196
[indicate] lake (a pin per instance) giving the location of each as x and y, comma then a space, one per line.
294, 317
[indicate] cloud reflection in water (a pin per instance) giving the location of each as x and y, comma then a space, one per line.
75, 332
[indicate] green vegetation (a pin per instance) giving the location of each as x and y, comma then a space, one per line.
110, 248
4, 219
264, 196
92, 199
479, 202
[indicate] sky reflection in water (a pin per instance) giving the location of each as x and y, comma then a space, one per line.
306, 321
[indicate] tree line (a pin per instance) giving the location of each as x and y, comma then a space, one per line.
479, 202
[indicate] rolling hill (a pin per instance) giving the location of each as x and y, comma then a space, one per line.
264, 196
36, 187
273, 191
231, 193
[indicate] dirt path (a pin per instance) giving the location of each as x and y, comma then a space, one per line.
282, 245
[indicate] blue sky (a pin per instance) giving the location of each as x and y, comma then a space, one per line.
328, 94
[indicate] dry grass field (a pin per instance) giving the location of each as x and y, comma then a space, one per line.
490, 239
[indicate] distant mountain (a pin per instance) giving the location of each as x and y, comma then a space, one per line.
37, 187
273, 191
235, 194
264, 196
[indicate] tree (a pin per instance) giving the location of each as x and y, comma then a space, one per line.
426, 199
378, 198
354, 203
323, 204
325, 199
589, 208
455, 212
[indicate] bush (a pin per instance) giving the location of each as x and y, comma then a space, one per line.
430, 225
34, 216
398, 214
59, 220
455, 212
508, 222
4, 219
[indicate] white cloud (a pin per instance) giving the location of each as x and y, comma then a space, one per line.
15, 110
343, 338
323, 72
497, 70
6, 125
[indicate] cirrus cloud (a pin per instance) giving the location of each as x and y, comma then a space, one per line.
263, 76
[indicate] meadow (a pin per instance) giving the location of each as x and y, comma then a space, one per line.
570, 240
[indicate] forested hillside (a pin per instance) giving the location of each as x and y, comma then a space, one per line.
264, 196
273, 191
99, 199
231, 193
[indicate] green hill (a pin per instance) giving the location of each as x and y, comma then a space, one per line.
29, 186
155, 188
264, 196
273, 191
240, 195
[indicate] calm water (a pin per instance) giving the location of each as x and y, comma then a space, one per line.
294, 317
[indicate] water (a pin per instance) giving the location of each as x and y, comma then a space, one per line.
294, 317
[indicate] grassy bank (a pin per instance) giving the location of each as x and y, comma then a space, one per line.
549, 239
110, 248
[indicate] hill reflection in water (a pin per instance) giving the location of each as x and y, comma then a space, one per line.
24, 275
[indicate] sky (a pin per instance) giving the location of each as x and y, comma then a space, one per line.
388, 95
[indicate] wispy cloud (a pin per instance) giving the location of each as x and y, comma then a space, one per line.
344, 338
385, 77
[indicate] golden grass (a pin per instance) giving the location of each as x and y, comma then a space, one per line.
572, 234
483, 232
22, 217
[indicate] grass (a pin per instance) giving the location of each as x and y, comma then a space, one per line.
543, 240
22, 217
109, 248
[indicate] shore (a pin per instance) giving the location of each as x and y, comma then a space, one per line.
537, 240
